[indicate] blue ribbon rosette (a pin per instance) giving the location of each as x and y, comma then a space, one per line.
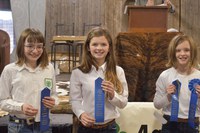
193, 101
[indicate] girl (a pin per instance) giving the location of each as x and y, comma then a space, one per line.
22, 82
182, 60
98, 61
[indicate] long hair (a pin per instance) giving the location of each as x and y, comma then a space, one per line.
32, 36
88, 60
178, 39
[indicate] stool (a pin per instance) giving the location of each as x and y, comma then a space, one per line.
72, 54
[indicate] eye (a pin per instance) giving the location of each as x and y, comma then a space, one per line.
187, 50
94, 44
30, 46
104, 44
178, 50
40, 47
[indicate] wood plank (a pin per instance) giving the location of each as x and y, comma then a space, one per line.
69, 38
110, 14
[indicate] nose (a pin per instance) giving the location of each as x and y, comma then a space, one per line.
182, 52
35, 48
99, 46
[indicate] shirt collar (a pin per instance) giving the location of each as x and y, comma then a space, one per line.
102, 67
24, 66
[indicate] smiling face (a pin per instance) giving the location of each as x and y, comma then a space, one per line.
99, 48
183, 54
32, 51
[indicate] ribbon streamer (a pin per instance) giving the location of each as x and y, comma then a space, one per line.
44, 112
175, 102
99, 101
193, 101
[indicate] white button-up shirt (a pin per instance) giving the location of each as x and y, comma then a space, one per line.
19, 85
82, 91
165, 79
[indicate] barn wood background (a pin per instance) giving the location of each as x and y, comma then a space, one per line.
110, 14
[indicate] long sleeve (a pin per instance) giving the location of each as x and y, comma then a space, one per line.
76, 94
120, 100
160, 99
6, 101
165, 79
20, 85
82, 93
172, 8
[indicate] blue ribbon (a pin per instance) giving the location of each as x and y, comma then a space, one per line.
193, 101
175, 102
44, 111
99, 101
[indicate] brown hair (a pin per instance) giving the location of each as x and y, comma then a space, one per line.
35, 36
88, 60
172, 61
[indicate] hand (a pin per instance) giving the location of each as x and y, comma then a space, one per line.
48, 102
197, 87
168, 3
29, 110
86, 120
150, 3
171, 89
108, 87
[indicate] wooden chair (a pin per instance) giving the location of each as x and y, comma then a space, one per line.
4, 49
64, 29
71, 46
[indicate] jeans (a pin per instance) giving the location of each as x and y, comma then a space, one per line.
179, 127
24, 128
109, 129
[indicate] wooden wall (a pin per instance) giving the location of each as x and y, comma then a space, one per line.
190, 20
107, 12
110, 13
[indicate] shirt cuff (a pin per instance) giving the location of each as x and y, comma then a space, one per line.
18, 107
115, 98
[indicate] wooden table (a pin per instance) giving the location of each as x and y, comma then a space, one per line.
71, 42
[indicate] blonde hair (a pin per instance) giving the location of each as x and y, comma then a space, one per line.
88, 60
32, 35
178, 39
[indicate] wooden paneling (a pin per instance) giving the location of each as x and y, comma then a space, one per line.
110, 13
107, 12
190, 20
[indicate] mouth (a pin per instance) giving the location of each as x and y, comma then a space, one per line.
183, 59
99, 53
34, 55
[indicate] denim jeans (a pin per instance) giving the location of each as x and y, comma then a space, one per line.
179, 127
109, 129
24, 128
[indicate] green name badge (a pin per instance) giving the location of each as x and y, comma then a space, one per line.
48, 83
